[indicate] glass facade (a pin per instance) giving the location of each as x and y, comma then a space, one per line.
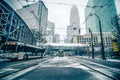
105, 9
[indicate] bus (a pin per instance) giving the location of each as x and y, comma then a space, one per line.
60, 53
16, 50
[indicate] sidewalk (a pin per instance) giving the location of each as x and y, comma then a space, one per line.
108, 59
113, 63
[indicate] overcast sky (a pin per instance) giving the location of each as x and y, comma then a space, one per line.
60, 13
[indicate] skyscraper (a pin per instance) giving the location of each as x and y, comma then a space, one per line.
50, 31
104, 9
35, 15
74, 16
73, 28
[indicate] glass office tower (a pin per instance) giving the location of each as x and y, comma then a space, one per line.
105, 9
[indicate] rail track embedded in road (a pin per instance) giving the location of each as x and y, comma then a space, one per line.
27, 68
108, 70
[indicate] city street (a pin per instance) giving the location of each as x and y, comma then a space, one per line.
59, 40
62, 68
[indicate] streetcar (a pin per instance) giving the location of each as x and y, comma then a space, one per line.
60, 53
16, 50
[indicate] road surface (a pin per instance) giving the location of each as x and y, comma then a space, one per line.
62, 68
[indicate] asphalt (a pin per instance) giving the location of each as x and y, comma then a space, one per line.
66, 68
62, 68
57, 73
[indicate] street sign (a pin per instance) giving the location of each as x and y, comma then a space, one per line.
115, 46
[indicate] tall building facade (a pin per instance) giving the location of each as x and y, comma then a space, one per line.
74, 27
104, 9
35, 15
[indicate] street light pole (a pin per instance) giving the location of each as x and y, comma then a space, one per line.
92, 43
102, 46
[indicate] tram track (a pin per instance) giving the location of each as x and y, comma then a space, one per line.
99, 72
106, 71
6, 64
15, 70
91, 67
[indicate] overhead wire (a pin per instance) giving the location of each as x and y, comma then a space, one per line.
64, 4
95, 6
88, 6
100, 7
33, 15
91, 10
33, 12
71, 5
13, 3
28, 9
79, 5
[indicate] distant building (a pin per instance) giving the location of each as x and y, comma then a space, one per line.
50, 28
56, 38
70, 32
65, 40
74, 16
74, 27
86, 39
35, 15
105, 9
50, 31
